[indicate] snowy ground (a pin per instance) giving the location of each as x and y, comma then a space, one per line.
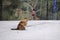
35, 30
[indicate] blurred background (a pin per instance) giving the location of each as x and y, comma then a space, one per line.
31, 9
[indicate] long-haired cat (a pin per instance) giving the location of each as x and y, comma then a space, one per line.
22, 24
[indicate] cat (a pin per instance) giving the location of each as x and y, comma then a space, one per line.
22, 24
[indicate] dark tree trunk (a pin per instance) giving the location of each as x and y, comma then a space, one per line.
47, 11
0, 9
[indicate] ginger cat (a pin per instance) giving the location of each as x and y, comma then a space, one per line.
22, 24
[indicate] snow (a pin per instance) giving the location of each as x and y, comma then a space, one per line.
35, 30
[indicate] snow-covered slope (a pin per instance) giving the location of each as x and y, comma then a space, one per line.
35, 30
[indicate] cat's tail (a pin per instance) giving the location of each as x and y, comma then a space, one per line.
13, 29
